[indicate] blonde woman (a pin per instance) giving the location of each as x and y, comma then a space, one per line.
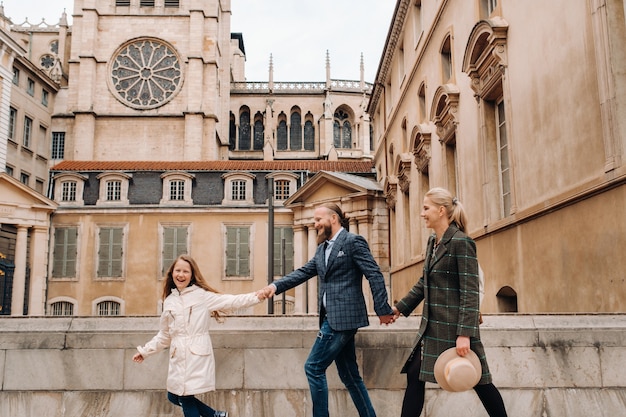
449, 288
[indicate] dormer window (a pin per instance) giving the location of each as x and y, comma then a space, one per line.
113, 188
238, 188
68, 189
177, 188
285, 184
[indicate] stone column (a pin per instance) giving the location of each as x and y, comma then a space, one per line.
362, 227
312, 283
354, 227
299, 259
38, 271
19, 274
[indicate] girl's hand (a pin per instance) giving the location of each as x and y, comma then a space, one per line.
138, 357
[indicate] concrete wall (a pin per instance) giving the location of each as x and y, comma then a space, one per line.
545, 366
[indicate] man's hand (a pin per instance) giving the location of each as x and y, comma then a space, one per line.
266, 292
387, 319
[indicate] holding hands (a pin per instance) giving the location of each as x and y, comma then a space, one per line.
267, 292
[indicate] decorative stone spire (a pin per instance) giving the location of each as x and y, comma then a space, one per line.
5, 22
327, 70
63, 21
271, 74
362, 83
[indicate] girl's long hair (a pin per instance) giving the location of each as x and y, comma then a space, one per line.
454, 208
196, 278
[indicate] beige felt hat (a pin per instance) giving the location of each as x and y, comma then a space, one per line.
457, 373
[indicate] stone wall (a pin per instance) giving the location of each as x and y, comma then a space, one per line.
545, 366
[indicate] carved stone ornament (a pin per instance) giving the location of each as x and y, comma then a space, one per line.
422, 153
404, 175
145, 73
391, 191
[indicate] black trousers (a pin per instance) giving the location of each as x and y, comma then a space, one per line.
413, 402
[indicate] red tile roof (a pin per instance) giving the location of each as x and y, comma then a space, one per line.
291, 165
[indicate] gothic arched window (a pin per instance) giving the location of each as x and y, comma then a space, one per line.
309, 136
232, 133
281, 133
244, 130
295, 132
342, 130
259, 132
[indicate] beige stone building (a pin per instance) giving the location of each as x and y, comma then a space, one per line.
519, 108
162, 147
26, 97
159, 145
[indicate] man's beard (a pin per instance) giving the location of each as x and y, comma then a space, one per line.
324, 235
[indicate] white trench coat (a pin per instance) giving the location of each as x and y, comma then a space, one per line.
184, 328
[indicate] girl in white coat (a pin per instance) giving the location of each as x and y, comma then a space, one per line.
184, 327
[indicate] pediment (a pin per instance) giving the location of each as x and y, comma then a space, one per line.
329, 186
22, 205
15, 193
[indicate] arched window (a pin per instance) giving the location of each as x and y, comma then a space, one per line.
108, 306
285, 184
113, 188
232, 133
485, 62
309, 136
346, 141
62, 306
342, 130
69, 189
238, 188
446, 60
244, 130
177, 187
259, 132
295, 132
281, 133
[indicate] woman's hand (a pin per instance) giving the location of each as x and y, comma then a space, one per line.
138, 357
462, 345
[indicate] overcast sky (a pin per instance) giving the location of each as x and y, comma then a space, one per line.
297, 33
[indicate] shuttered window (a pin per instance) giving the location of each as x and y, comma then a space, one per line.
237, 251
110, 252
65, 252
174, 244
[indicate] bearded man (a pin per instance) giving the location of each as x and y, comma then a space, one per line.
340, 262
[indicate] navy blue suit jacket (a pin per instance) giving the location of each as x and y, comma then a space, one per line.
342, 281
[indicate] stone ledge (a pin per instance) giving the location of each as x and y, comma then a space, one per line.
556, 365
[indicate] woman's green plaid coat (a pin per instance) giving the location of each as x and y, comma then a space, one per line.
449, 289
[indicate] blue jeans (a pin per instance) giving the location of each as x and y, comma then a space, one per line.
335, 346
192, 407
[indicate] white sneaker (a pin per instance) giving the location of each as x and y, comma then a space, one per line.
221, 414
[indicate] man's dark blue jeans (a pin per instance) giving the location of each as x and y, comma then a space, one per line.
335, 346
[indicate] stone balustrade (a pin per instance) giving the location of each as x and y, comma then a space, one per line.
544, 365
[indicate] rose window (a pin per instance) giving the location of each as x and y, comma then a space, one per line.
145, 74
